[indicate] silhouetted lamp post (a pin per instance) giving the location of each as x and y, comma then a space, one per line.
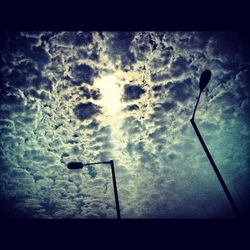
79, 165
204, 79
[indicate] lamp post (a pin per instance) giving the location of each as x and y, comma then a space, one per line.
79, 165
204, 79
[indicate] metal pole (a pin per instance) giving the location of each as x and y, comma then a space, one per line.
216, 170
115, 190
196, 104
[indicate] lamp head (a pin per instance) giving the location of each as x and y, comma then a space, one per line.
204, 79
75, 165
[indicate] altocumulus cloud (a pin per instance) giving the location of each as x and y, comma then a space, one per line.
52, 113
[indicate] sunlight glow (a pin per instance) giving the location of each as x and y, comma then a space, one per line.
111, 93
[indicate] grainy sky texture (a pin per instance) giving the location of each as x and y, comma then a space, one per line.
126, 96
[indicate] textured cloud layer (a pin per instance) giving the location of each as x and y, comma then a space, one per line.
54, 110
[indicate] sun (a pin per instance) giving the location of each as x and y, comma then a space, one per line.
111, 93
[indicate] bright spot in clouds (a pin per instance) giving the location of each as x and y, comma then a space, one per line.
111, 94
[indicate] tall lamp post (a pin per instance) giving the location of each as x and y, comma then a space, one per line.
204, 79
79, 165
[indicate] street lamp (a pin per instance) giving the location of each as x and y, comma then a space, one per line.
79, 165
204, 79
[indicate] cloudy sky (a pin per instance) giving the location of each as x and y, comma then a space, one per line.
126, 96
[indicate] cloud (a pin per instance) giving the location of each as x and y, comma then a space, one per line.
163, 58
92, 172
179, 66
86, 110
225, 43
132, 92
82, 73
132, 107
119, 45
167, 106
159, 77
181, 90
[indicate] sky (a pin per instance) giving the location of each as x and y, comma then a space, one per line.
127, 96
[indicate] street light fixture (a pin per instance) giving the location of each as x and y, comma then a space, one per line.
204, 79
79, 165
